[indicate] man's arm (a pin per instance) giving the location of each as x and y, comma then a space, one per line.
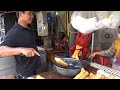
6, 51
110, 52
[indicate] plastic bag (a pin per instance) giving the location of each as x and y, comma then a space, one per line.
86, 26
114, 19
82, 22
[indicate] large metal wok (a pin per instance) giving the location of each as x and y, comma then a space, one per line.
72, 69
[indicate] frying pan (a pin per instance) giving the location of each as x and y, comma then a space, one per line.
73, 68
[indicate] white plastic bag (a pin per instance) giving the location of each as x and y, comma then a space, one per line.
87, 25
114, 19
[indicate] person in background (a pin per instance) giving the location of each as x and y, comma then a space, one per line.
114, 51
20, 43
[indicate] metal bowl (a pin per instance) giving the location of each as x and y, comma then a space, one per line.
69, 71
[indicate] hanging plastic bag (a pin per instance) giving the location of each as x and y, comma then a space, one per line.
114, 20
87, 25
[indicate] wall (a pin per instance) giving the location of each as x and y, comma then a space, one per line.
9, 20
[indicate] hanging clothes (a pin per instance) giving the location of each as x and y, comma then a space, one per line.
82, 43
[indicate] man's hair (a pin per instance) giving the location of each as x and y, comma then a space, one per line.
17, 13
118, 26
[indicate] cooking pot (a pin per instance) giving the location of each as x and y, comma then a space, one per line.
73, 68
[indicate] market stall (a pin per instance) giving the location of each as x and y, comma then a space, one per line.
84, 72
53, 38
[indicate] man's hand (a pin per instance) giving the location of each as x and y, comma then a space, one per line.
29, 52
93, 55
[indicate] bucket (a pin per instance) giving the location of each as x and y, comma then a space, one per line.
7, 66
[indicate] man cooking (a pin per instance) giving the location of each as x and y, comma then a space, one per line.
20, 42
